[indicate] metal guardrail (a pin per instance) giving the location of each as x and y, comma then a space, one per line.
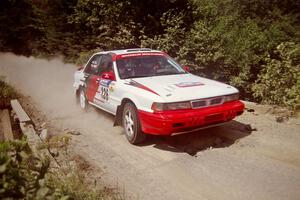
27, 128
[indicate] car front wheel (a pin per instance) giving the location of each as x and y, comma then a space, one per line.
131, 124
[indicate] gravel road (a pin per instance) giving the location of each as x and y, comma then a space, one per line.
253, 157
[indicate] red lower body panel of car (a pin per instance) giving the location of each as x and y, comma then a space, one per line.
170, 122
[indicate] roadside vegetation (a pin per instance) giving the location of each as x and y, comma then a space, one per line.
6, 94
251, 44
24, 175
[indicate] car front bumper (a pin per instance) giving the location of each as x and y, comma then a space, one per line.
172, 122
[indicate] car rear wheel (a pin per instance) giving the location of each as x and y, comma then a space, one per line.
82, 100
131, 124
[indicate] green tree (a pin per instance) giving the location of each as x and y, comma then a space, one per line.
230, 39
279, 81
20, 26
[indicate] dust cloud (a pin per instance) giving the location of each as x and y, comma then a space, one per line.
48, 82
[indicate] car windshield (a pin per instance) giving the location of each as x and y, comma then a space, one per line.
146, 66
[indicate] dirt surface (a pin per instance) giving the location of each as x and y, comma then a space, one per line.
253, 157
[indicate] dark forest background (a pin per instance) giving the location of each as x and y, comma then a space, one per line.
251, 44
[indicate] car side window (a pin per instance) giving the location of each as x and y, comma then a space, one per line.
106, 64
93, 65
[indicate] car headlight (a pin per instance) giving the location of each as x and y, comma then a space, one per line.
232, 97
170, 106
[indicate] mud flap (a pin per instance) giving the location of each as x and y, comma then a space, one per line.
118, 117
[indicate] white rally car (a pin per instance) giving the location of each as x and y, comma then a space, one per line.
149, 93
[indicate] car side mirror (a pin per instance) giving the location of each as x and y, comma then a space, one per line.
186, 68
108, 76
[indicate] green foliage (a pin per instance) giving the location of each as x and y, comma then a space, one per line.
27, 176
171, 39
20, 26
21, 174
279, 81
83, 57
230, 39
230, 46
99, 21
6, 91
108, 24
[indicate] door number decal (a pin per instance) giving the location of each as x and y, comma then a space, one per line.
103, 89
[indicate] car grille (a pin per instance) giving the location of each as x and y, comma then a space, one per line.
198, 104
207, 102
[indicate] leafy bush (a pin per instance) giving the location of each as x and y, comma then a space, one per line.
7, 91
27, 176
227, 40
279, 81
171, 39
21, 174
83, 57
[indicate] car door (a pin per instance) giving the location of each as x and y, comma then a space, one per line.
92, 78
106, 82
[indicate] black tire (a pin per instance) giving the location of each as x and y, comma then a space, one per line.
83, 103
132, 125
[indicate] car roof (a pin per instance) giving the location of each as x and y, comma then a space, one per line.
128, 51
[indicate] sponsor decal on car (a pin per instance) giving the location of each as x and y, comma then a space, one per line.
141, 86
139, 54
103, 90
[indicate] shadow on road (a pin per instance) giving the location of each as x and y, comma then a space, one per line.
191, 143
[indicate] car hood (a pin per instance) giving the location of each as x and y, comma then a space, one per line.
184, 87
